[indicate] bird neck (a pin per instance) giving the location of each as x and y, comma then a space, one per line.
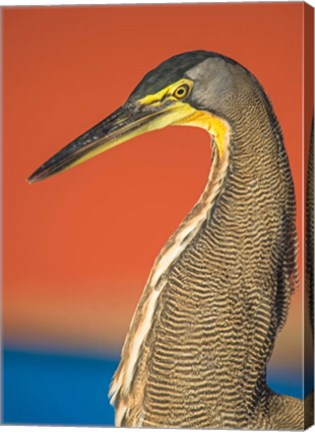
192, 223
223, 270
217, 289
246, 249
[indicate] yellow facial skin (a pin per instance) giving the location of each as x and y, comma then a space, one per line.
182, 114
170, 92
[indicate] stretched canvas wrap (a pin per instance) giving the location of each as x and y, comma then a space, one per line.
167, 282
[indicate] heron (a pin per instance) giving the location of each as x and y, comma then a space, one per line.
219, 292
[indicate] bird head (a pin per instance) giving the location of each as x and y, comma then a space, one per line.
187, 89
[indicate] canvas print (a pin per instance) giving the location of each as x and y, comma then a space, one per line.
169, 281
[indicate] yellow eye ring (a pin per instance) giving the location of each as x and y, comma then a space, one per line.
182, 91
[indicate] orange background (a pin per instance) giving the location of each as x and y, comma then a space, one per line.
78, 247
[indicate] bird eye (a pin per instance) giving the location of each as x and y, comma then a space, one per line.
182, 91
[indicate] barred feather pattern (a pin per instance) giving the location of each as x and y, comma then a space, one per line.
203, 361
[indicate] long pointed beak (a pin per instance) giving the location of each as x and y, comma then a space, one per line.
129, 121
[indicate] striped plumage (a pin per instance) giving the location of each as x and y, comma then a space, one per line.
203, 361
